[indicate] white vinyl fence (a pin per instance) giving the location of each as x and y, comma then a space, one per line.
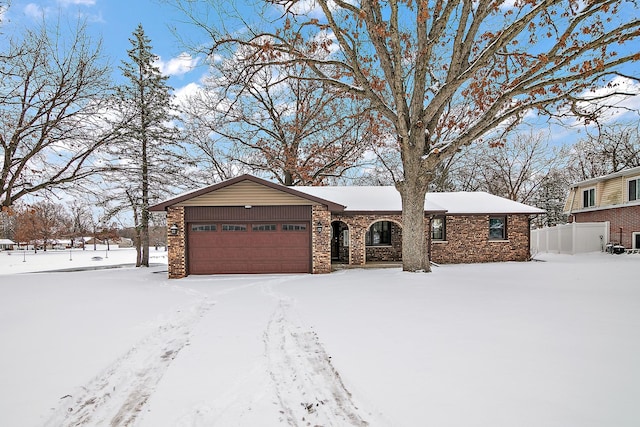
573, 238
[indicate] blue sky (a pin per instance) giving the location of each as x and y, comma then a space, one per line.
114, 21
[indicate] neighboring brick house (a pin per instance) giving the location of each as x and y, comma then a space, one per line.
249, 225
614, 198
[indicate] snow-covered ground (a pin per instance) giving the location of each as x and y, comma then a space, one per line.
539, 344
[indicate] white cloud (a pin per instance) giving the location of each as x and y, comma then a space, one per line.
615, 100
34, 11
183, 94
3, 11
177, 66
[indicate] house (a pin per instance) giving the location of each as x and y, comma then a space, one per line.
614, 198
249, 225
6, 245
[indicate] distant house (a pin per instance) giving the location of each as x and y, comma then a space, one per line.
6, 245
249, 225
614, 198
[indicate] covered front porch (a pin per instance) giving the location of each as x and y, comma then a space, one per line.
366, 240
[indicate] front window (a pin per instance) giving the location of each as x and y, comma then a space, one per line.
497, 228
589, 198
438, 228
379, 234
634, 189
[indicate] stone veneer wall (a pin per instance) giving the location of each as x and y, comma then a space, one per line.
627, 218
320, 242
468, 242
176, 244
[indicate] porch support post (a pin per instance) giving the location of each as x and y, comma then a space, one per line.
176, 243
358, 244
320, 240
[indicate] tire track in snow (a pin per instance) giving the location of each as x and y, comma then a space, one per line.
116, 396
309, 389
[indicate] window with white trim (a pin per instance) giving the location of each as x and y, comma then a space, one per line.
634, 189
589, 198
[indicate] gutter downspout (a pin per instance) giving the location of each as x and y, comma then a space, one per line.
573, 200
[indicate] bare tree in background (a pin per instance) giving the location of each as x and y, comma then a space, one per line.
442, 73
611, 148
80, 218
296, 130
52, 89
514, 169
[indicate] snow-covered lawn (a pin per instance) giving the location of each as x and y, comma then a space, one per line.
539, 344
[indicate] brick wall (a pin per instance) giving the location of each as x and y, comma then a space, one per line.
387, 253
321, 242
468, 241
627, 217
176, 244
358, 226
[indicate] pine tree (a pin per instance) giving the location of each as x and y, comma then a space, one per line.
149, 145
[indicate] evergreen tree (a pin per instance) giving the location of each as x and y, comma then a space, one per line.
147, 154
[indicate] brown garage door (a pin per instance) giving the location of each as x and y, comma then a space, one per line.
249, 247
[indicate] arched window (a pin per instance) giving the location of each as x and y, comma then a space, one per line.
379, 234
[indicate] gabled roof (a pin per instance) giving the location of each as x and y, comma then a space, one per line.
289, 190
592, 181
375, 199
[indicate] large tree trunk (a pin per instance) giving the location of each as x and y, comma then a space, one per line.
415, 256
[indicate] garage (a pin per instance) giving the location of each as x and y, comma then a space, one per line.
249, 239
245, 247
247, 225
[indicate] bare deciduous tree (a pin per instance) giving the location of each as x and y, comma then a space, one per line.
51, 92
298, 131
40, 223
610, 149
514, 169
445, 73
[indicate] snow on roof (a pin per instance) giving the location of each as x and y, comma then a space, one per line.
387, 198
7, 242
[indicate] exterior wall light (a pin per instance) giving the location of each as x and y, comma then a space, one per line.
319, 227
174, 229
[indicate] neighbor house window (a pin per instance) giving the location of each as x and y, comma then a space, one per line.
589, 198
497, 228
379, 234
634, 189
438, 228
234, 227
203, 227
